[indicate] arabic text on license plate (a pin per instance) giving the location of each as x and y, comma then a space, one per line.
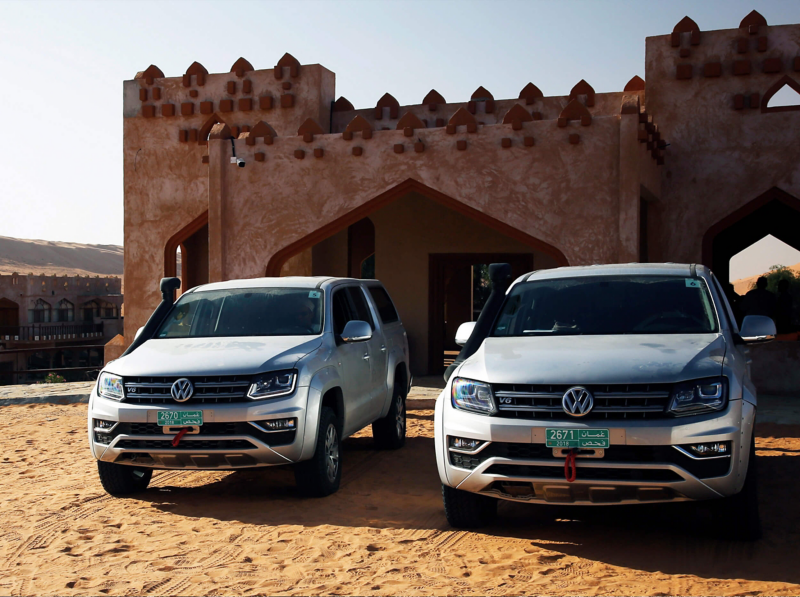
577, 438
183, 418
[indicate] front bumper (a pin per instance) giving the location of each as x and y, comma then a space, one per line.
228, 439
641, 466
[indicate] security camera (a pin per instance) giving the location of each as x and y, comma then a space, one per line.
240, 162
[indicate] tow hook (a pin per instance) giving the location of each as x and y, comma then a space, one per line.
177, 439
570, 470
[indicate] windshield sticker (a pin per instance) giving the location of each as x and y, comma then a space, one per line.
314, 294
692, 283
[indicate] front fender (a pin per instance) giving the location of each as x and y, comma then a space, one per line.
322, 381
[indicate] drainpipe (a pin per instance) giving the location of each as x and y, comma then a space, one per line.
500, 275
168, 288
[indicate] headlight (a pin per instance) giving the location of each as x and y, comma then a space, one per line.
272, 385
699, 396
110, 386
473, 396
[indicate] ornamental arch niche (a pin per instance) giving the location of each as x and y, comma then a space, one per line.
775, 212
410, 231
192, 240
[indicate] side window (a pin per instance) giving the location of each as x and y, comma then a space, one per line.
726, 308
384, 304
341, 311
359, 304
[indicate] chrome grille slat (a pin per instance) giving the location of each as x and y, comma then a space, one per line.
617, 401
207, 390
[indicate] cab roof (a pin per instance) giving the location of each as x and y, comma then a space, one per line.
283, 282
683, 270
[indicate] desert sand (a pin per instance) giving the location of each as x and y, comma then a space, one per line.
26, 256
226, 533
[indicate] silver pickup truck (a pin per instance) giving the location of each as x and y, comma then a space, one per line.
253, 373
614, 384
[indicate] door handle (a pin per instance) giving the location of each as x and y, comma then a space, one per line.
366, 356
383, 348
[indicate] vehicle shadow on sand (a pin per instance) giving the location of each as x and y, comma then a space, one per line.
401, 489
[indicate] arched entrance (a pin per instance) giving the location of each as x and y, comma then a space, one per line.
192, 240
415, 238
775, 212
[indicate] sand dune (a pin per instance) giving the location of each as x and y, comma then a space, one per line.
60, 258
384, 533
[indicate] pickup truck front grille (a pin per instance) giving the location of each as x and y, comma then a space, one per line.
207, 390
611, 402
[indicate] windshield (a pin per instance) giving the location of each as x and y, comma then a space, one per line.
245, 312
597, 305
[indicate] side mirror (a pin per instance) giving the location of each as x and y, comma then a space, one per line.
463, 332
356, 331
757, 329
138, 332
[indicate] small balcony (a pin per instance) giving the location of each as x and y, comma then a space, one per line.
50, 332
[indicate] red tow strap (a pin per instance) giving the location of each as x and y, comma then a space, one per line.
569, 463
177, 439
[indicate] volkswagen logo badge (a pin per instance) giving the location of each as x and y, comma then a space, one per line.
182, 390
577, 401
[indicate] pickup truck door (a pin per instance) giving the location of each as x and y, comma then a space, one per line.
378, 352
354, 362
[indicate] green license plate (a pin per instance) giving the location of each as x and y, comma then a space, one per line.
577, 438
180, 418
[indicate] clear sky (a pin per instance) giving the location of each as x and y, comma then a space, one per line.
63, 64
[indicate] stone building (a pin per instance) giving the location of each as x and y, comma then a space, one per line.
56, 322
692, 165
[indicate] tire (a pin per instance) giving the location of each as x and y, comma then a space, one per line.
465, 510
389, 433
321, 474
737, 516
120, 479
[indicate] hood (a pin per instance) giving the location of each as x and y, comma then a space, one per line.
620, 359
214, 356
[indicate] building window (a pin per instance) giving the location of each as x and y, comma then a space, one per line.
108, 310
65, 311
90, 310
40, 313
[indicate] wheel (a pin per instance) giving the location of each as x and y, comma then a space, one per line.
321, 474
736, 517
120, 479
465, 510
389, 433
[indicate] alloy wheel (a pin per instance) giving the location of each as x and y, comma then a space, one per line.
400, 410
331, 453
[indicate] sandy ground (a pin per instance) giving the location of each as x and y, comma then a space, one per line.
223, 533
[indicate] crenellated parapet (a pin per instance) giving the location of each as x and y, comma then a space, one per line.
737, 61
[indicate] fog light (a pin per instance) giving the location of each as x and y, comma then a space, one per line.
711, 449
279, 424
103, 426
462, 443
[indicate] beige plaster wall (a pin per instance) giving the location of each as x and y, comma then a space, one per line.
166, 182
565, 195
719, 158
